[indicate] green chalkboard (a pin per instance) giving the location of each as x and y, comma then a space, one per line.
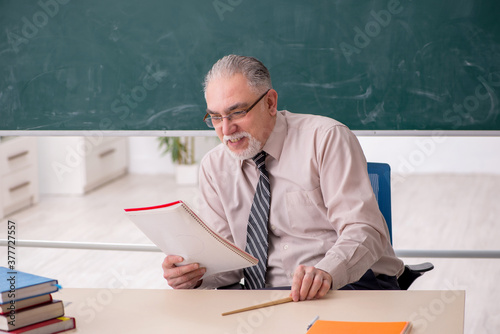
139, 64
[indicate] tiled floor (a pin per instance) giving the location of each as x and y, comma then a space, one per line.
429, 212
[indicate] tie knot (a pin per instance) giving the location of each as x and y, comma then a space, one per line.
260, 160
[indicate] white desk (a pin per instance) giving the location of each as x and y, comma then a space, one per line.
188, 311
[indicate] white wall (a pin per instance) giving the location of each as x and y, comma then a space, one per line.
146, 158
406, 155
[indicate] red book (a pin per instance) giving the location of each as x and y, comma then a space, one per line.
51, 326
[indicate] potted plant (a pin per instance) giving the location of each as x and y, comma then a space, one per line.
182, 153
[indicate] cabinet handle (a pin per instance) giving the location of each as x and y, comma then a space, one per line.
106, 153
18, 155
19, 186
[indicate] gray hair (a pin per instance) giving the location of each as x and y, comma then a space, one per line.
256, 73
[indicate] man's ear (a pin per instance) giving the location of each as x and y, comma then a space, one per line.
272, 102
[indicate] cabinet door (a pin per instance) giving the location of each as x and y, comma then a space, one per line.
106, 162
75, 165
19, 189
17, 153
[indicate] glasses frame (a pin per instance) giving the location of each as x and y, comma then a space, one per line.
208, 119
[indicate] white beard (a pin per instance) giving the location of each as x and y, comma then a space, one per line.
254, 146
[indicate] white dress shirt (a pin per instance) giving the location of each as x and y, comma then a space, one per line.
323, 210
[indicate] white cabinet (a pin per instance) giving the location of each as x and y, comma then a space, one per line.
76, 165
18, 174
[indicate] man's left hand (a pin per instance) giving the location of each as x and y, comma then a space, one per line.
310, 283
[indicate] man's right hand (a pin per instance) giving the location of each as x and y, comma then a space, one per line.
182, 277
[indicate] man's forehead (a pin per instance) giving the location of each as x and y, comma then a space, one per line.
228, 85
224, 96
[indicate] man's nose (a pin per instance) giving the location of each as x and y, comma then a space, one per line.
228, 127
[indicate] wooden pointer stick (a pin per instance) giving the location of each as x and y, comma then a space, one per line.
271, 303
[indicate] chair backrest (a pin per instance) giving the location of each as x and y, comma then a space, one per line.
380, 178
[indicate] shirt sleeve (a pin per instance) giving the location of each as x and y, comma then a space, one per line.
212, 212
352, 208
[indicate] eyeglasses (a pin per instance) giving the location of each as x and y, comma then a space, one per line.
215, 121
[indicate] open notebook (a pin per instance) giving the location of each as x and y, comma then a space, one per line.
177, 230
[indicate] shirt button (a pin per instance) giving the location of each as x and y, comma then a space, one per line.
285, 247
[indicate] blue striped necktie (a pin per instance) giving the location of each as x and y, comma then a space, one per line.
257, 227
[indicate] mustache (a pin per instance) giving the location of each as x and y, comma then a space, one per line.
238, 135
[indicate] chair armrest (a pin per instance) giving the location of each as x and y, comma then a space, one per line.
412, 272
420, 268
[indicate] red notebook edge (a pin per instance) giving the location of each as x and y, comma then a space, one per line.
153, 207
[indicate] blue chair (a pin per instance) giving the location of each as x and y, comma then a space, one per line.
380, 178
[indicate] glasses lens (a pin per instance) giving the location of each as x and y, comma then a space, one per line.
237, 115
209, 123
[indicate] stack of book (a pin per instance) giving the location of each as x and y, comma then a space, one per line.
27, 306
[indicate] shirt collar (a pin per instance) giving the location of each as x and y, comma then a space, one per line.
274, 144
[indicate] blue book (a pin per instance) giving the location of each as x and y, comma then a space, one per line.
17, 285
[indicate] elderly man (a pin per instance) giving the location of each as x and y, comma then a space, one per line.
291, 189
